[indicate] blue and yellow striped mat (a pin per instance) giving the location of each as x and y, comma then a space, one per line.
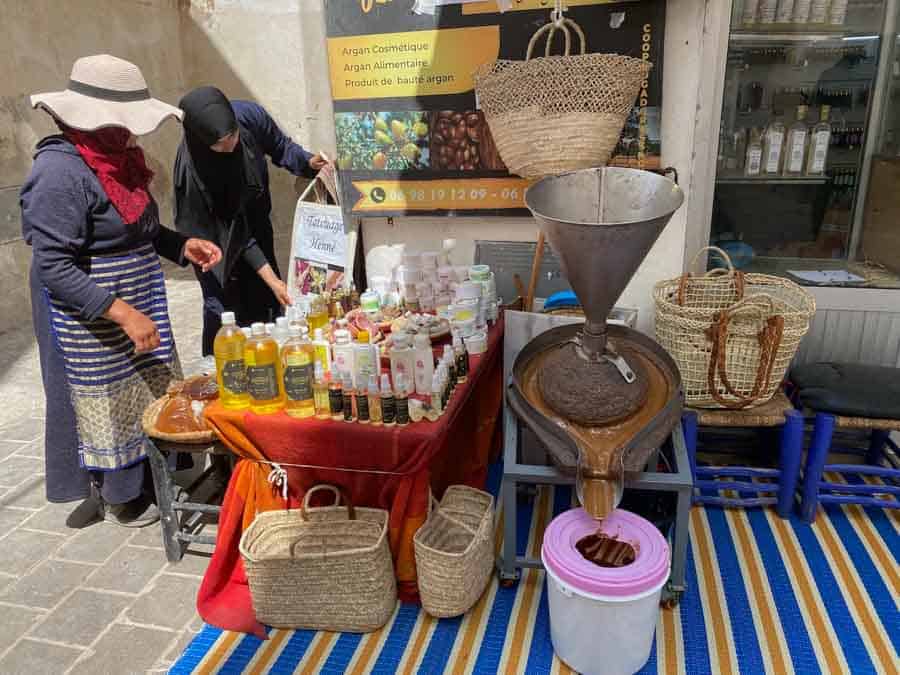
764, 595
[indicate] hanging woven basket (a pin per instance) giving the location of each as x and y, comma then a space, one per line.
553, 114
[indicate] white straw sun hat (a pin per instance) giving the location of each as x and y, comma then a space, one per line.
105, 91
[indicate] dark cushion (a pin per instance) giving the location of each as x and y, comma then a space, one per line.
849, 389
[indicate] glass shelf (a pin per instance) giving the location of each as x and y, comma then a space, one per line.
737, 179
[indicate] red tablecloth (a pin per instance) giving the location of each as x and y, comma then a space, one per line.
384, 467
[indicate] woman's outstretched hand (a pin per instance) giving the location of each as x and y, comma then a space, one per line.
278, 287
204, 254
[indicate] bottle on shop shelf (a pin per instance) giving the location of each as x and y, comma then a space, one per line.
818, 13
462, 359
795, 146
349, 395
323, 349
423, 363
801, 10
343, 349
231, 373
837, 13
335, 395
749, 12
318, 313
354, 296
270, 329
773, 143
784, 12
753, 164
402, 361
247, 332
320, 393
402, 400
365, 358
375, 414
450, 360
264, 379
280, 331
819, 142
298, 358
436, 397
740, 149
361, 398
370, 302
767, 11
444, 377
388, 404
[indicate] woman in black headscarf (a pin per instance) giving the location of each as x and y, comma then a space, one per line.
222, 191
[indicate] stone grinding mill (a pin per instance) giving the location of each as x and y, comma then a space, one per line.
600, 398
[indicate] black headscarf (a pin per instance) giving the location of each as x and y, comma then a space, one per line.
208, 117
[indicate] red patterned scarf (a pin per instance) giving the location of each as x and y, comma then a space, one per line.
122, 171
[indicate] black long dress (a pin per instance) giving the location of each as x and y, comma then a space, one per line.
232, 210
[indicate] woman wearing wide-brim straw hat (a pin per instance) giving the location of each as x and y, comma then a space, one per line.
97, 290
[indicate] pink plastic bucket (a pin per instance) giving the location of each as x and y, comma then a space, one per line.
602, 619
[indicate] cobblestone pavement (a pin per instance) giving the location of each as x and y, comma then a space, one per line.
98, 600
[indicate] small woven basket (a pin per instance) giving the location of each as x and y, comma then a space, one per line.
324, 568
455, 552
151, 414
733, 335
555, 114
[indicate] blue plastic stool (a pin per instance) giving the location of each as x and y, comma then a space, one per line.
817, 491
778, 412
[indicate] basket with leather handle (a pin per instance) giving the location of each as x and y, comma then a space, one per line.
553, 114
321, 568
732, 334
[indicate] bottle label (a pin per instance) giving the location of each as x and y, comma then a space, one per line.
348, 407
389, 410
798, 145
754, 161
362, 407
234, 376
773, 158
335, 401
403, 410
298, 381
820, 151
262, 382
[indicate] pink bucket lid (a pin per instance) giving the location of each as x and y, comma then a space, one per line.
649, 571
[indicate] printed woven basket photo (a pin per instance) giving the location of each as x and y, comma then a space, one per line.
455, 552
553, 114
323, 568
733, 335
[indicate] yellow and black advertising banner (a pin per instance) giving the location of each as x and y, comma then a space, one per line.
410, 136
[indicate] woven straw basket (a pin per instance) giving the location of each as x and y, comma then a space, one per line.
733, 335
558, 113
455, 552
325, 568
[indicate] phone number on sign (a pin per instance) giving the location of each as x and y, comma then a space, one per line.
453, 195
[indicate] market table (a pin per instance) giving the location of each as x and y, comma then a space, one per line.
385, 467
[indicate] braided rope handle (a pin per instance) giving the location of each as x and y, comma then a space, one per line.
731, 271
561, 25
769, 338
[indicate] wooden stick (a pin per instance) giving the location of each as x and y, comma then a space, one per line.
535, 270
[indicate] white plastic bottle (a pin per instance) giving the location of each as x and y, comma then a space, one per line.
280, 331
402, 362
424, 364
343, 350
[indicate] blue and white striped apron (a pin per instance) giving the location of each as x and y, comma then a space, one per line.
110, 385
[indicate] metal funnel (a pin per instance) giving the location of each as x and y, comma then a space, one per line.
602, 223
